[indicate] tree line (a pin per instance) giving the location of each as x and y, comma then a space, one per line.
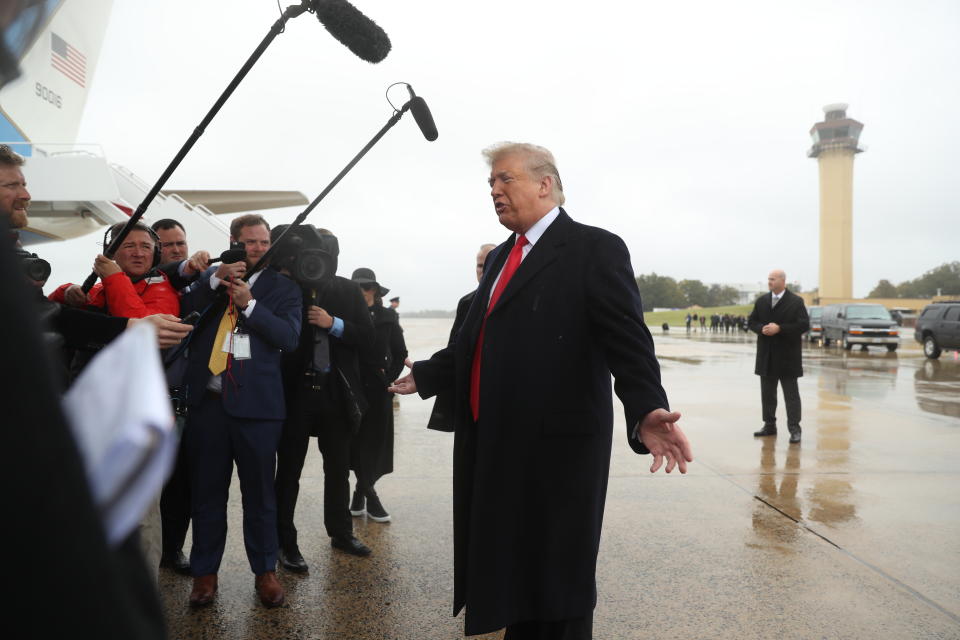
664, 291
946, 278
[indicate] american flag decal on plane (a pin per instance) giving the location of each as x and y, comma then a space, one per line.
67, 60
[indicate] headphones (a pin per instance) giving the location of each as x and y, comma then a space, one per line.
112, 230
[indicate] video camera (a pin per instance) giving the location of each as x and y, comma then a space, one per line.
34, 267
309, 256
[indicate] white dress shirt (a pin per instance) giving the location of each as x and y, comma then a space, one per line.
215, 383
533, 234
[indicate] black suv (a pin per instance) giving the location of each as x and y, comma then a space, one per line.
938, 328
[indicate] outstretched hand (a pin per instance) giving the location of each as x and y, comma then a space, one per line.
664, 438
405, 385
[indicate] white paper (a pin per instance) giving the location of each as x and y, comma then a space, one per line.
120, 414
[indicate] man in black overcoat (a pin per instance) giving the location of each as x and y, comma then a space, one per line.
533, 415
779, 319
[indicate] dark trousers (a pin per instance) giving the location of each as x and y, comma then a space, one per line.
175, 503
214, 441
312, 414
569, 629
791, 397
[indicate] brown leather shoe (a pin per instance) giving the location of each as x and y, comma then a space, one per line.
204, 590
269, 589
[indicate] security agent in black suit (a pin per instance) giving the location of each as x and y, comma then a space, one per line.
175, 498
441, 417
324, 397
530, 371
779, 319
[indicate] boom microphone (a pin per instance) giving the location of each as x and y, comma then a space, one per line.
421, 113
354, 30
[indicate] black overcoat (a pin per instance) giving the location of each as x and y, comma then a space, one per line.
530, 478
779, 355
380, 364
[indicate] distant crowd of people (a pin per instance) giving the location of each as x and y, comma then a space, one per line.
719, 323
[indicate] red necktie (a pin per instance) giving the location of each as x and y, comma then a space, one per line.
513, 262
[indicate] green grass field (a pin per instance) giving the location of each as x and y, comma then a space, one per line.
678, 318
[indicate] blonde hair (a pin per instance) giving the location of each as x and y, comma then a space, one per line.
538, 162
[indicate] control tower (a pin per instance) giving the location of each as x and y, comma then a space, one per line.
835, 141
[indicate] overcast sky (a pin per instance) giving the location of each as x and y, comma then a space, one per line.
682, 127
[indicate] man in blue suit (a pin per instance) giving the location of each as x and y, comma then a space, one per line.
236, 409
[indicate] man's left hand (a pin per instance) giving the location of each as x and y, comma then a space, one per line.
105, 267
240, 290
665, 439
770, 329
170, 330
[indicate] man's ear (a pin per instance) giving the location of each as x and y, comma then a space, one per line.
546, 186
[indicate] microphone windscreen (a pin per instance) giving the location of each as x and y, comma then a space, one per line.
354, 30
421, 113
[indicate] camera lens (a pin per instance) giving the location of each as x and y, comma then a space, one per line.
312, 266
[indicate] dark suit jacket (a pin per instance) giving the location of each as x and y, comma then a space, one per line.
253, 389
780, 355
172, 271
530, 478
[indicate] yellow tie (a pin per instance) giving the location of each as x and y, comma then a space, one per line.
218, 357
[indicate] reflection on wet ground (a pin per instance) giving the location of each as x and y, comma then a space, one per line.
936, 384
854, 533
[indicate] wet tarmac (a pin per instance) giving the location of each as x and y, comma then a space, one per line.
854, 533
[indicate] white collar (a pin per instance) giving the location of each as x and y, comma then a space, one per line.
533, 233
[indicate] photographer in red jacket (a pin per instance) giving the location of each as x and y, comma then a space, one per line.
130, 287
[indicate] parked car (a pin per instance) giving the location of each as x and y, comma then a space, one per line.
938, 328
860, 323
816, 329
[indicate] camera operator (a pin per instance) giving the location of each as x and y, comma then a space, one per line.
236, 409
323, 389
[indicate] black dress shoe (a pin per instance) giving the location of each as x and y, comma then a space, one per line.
794, 437
766, 431
175, 560
351, 545
292, 560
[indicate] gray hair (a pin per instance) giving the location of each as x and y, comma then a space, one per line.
538, 161
9, 157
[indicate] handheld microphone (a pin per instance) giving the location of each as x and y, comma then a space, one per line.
354, 30
421, 113
231, 255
